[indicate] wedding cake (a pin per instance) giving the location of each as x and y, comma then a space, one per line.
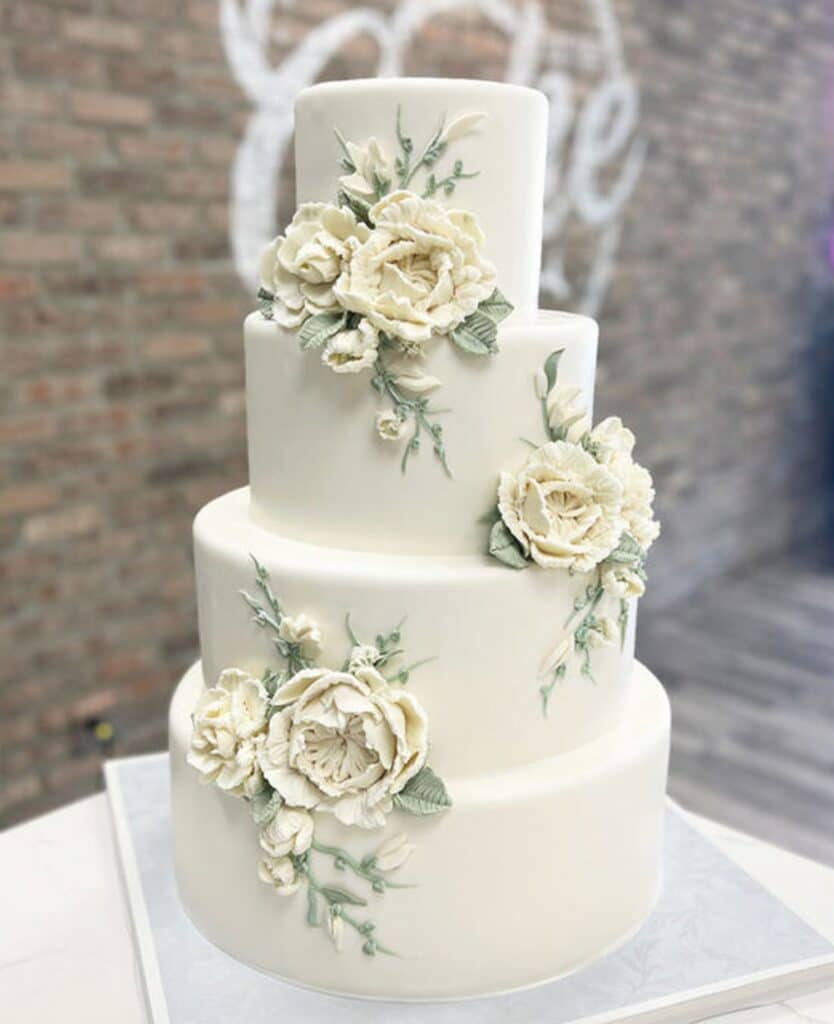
417, 759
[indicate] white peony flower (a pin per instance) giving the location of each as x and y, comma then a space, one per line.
280, 873
290, 831
352, 351
615, 444
389, 426
229, 722
563, 507
566, 411
621, 581
638, 496
613, 439
300, 266
344, 743
301, 630
372, 174
393, 853
363, 656
420, 272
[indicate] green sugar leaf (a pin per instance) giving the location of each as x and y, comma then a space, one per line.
424, 794
313, 915
316, 330
265, 805
497, 307
477, 334
336, 894
551, 368
504, 547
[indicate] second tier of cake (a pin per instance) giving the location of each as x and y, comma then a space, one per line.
484, 633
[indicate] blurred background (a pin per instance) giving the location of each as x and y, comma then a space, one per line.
146, 150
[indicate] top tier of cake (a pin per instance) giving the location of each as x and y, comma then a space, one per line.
506, 152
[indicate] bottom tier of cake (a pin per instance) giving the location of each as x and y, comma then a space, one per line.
533, 873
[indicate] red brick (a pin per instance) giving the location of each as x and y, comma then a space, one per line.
176, 346
22, 498
16, 286
28, 100
50, 61
34, 176
167, 147
132, 249
47, 138
93, 705
18, 729
202, 13
11, 210
25, 428
210, 312
18, 247
144, 76
18, 791
218, 149
192, 46
103, 33
55, 390
61, 526
198, 183
78, 214
171, 282
29, 18
110, 108
158, 216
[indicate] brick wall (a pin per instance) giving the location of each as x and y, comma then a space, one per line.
121, 407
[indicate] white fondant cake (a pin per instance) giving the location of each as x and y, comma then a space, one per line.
417, 759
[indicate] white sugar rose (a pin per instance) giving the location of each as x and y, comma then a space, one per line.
372, 174
420, 272
563, 507
300, 266
621, 581
389, 426
352, 351
229, 722
301, 630
344, 743
280, 873
290, 831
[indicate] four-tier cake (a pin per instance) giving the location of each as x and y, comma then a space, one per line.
417, 758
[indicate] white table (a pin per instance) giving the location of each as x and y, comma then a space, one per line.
66, 952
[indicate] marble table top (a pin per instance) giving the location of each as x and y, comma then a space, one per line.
66, 952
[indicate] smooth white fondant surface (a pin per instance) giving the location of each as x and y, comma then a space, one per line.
319, 472
534, 871
488, 628
508, 151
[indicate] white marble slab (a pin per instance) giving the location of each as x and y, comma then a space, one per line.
717, 940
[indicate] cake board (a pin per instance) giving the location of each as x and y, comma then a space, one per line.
716, 941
